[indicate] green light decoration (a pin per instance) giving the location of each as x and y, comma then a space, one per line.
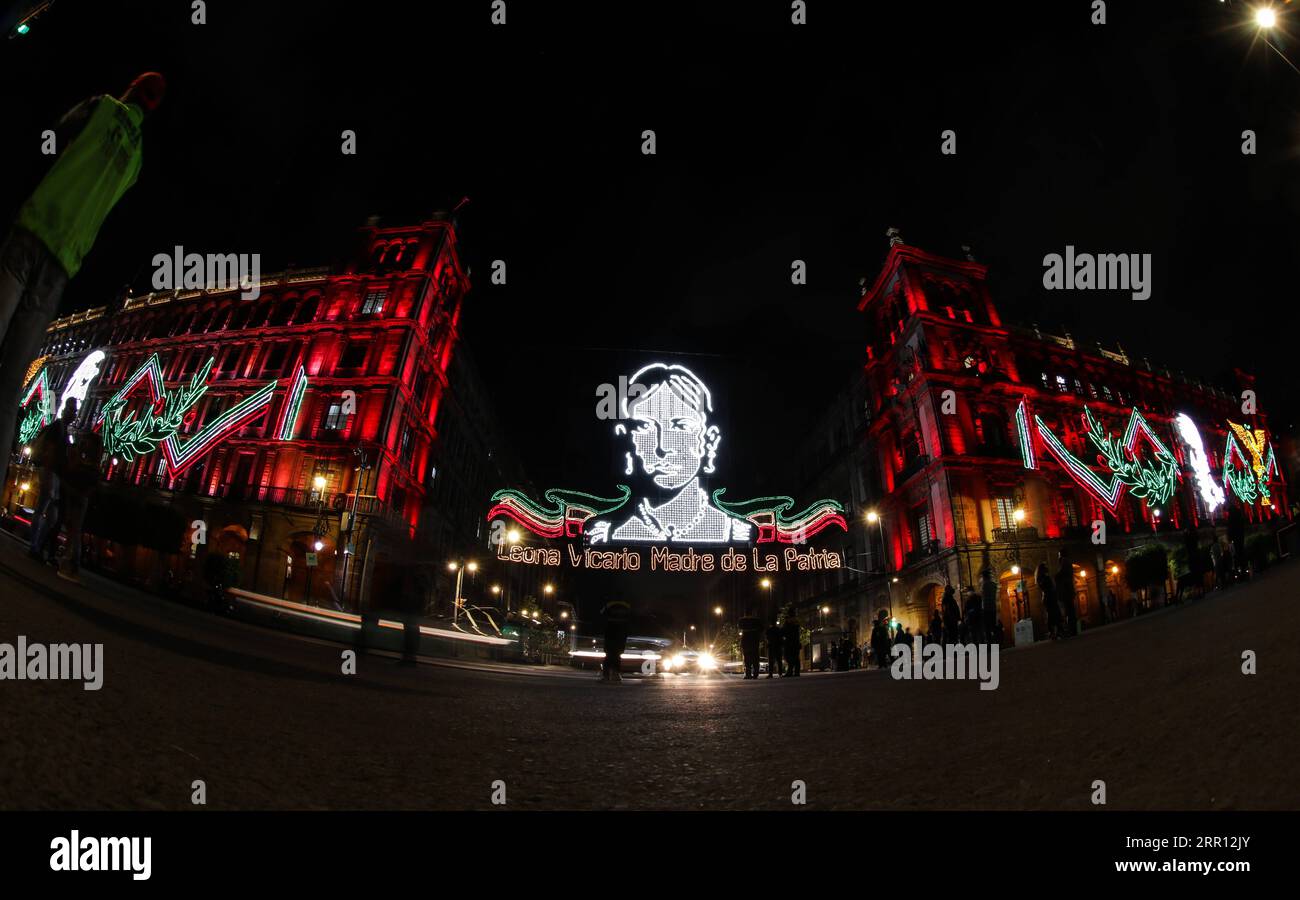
565, 515
1152, 481
769, 515
36, 416
137, 434
1249, 464
1243, 483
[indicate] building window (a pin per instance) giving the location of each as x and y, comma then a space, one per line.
374, 302
991, 431
307, 312
274, 362
1070, 512
354, 357
923, 539
1061, 384
1105, 392
334, 417
1004, 509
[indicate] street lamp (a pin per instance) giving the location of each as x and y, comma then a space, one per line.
1265, 17
460, 570
873, 518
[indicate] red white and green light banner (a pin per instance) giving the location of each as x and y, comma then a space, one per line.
292, 406
39, 415
670, 445
141, 431
1152, 479
1249, 464
567, 512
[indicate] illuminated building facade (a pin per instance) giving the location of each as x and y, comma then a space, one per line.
982, 443
252, 416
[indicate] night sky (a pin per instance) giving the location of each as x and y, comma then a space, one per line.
775, 143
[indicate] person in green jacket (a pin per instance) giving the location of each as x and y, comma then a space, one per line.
99, 161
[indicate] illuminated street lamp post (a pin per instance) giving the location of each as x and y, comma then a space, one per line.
459, 569
1017, 518
319, 530
350, 548
874, 518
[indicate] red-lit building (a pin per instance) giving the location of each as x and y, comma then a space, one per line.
971, 437
322, 370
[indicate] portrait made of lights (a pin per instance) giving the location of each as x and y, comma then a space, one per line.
130, 433
664, 423
1153, 475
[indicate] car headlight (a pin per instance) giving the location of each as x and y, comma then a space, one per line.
706, 661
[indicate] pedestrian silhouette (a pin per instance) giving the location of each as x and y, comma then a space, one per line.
618, 615
775, 660
1043, 578
751, 635
791, 642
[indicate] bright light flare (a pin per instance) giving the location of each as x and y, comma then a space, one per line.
1265, 17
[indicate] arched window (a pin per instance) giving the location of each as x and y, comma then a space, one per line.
241, 317
307, 312
391, 254
283, 312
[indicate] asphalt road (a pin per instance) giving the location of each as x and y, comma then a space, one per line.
1157, 708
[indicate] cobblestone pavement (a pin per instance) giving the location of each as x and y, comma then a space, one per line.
1156, 707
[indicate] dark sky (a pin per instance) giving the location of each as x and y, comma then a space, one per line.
774, 143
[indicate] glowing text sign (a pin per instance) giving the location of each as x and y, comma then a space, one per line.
666, 559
